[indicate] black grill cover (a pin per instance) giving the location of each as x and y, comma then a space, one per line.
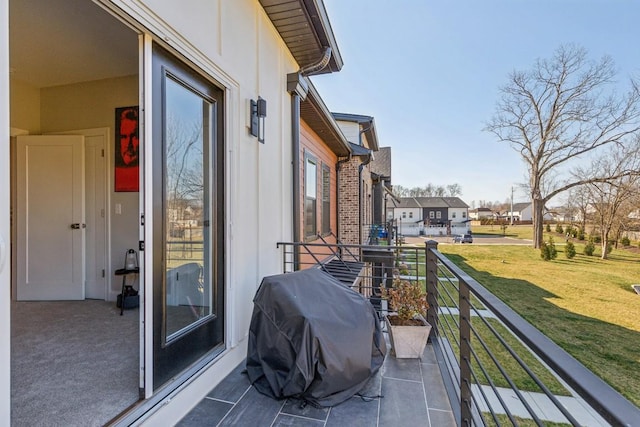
313, 338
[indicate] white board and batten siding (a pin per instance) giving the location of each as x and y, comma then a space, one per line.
236, 45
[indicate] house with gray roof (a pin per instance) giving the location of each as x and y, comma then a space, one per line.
481, 213
524, 212
432, 215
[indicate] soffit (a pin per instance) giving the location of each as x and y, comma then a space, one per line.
304, 26
316, 114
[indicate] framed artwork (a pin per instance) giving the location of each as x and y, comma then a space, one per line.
127, 146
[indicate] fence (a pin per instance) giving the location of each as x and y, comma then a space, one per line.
498, 368
502, 370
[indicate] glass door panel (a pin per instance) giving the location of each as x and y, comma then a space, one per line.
188, 217
188, 209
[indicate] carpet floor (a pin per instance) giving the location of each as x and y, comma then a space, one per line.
73, 363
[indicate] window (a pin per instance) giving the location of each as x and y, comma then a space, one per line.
326, 199
464, 214
432, 214
438, 215
310, 196
410, 214
453, 215
404, 214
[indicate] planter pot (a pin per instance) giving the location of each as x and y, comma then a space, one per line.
408, 342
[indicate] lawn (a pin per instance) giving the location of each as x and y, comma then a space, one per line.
585, 304
517, 231
518, 375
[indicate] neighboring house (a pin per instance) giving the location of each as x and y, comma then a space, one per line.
524, 212
481, 213
356, 180
201, 77
432, 215
321, 146
407, 215
521, 212
565, 214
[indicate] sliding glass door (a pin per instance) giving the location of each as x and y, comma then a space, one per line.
188, 217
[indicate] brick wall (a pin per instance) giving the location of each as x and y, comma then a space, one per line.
349, 202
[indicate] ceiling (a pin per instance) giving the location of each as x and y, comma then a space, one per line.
58, 42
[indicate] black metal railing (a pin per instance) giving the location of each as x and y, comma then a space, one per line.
364, 268
498, 369
379, 234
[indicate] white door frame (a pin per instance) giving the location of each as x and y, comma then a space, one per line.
146, 205
13, 132
5, 190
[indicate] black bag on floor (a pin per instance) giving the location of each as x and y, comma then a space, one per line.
131, 298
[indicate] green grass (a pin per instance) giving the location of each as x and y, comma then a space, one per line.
517, 231
516, 373
522, 422
585, 304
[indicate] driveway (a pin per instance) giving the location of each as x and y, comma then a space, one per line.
478, 239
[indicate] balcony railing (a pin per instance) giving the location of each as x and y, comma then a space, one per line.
498, 368
379, 234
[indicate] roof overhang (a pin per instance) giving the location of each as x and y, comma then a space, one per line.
316, 114
359, 150
305, 28
367, 126
389, 192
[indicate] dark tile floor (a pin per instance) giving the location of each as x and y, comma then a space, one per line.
411, 389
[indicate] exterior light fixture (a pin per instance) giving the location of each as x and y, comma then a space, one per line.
258, 113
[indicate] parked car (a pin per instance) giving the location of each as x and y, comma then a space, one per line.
463, 238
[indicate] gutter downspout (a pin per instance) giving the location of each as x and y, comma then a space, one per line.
298, 88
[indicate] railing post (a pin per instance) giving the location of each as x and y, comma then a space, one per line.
465, 353
432, 286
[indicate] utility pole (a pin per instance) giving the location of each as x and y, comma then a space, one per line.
511, 215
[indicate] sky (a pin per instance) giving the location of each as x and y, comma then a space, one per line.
429, 72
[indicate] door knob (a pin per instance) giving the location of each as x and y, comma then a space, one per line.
77, 226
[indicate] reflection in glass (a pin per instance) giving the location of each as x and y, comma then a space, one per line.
187, 216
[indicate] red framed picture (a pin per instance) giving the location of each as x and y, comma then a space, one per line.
127, 150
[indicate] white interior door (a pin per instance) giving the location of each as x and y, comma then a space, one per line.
50, 217
96, 214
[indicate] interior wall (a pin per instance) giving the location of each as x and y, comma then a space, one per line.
25, 106
92, 105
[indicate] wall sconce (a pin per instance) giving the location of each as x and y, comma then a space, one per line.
258, 113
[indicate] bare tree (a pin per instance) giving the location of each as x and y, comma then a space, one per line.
184, 172
429, 190
454, 190
578, 204
613, 200
558, 113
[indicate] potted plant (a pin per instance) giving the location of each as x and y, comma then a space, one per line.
408, 329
